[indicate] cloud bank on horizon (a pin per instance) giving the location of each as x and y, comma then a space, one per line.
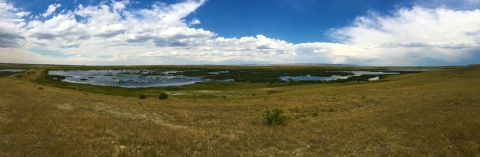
114, 33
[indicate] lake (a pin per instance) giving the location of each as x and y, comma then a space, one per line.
335, 77
12, 70
143, 78
127, 78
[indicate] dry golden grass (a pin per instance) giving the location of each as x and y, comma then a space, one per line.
424, 114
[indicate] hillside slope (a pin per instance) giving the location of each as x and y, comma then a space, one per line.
423, 114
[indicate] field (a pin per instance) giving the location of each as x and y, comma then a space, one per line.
432, 113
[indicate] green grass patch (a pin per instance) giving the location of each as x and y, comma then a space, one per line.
275, 117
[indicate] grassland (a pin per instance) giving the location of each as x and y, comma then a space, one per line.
419, 114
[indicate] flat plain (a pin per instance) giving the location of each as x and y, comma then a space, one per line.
433, 113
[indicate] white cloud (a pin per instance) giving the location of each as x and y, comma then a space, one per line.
120, 5
194, 21
22, 14
11, 23
412, 35
4, 6
114, 33
51, 9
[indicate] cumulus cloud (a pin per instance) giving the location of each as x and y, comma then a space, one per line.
10, 25
414, 34
120, 5
22, 14
194, 21
51, 9
8, 39
114, 33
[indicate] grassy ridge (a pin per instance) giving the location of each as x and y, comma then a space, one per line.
420, 114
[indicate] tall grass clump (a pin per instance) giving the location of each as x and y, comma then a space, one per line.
275, 117
163, 96
142, 96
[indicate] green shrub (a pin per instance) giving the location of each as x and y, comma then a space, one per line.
40, 88
314, 114
141, 96
163, 95
275, 117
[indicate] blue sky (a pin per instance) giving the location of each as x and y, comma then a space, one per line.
125, 32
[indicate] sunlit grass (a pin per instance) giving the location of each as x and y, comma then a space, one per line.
422, 114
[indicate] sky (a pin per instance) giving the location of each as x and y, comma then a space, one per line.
191, 32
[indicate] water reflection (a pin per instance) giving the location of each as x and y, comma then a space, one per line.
414, 69
12, 70
360, 73
312, 78
218, 72
335, 77
127, 78
374, 78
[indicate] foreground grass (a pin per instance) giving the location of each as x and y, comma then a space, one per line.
423, 114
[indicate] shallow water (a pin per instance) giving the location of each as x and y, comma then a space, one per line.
360, 73
418, 69
12, 70
127, 78
141, 78
218, 72
312, 78
374, 78
335, 77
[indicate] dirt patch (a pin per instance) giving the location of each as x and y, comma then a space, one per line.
65, 107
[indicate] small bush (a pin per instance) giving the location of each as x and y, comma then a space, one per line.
275, 117
331, 110
141, 96
163, 95
314, 114
40, 88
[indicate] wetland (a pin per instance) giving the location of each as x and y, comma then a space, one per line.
143, 78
